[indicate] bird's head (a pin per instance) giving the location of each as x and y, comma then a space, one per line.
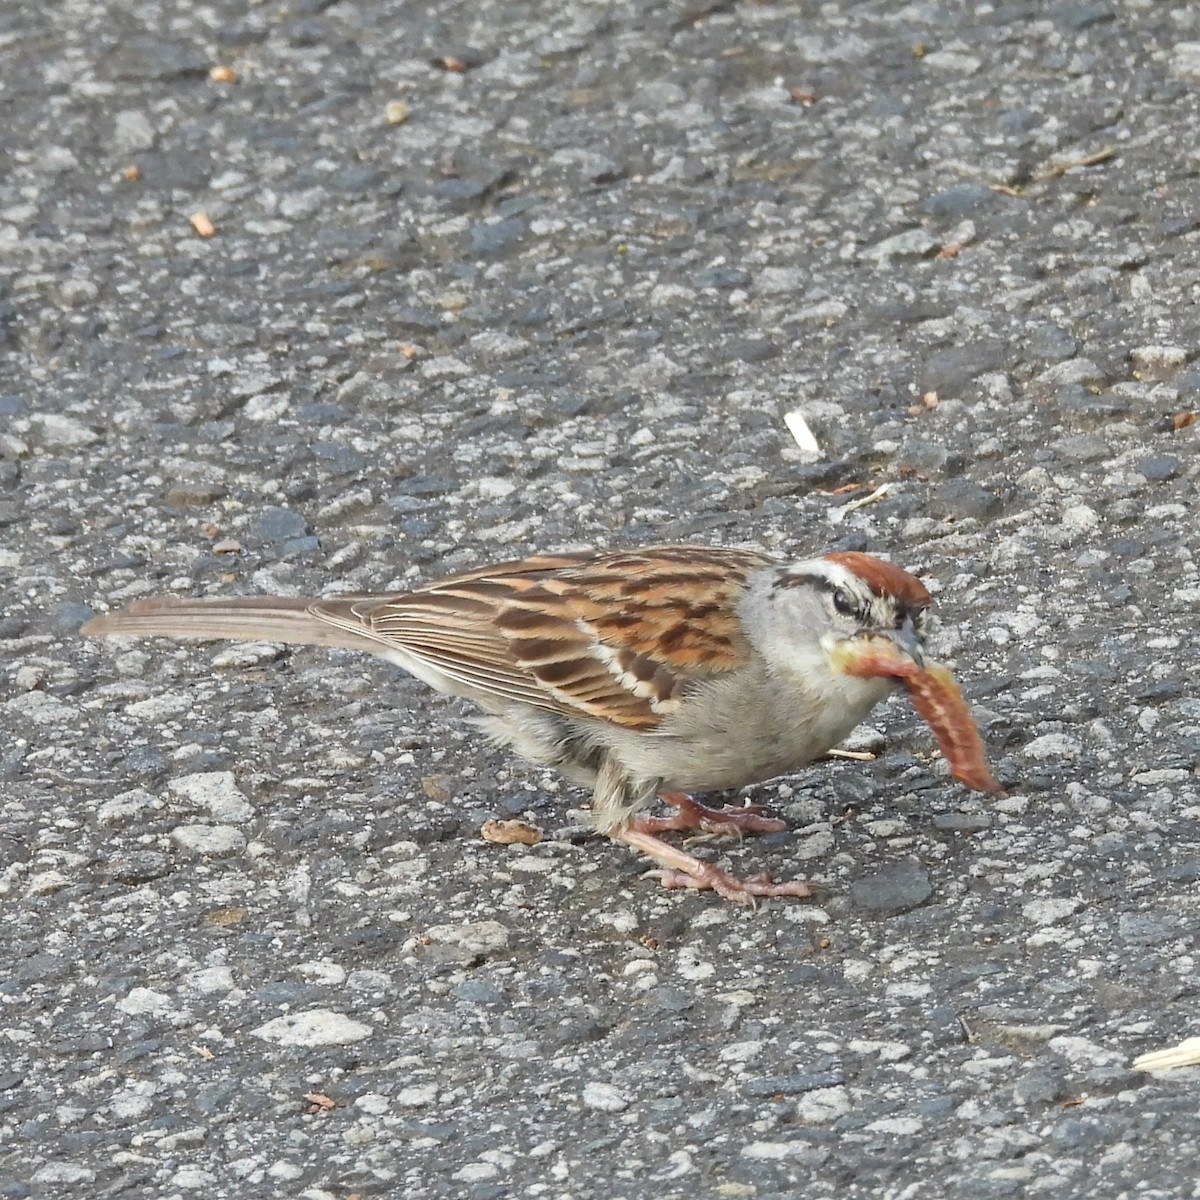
829, 611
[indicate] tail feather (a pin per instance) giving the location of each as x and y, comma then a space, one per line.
238, 618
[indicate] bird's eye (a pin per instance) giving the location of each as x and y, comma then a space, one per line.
844, 602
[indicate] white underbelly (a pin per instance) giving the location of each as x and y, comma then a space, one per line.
738, 743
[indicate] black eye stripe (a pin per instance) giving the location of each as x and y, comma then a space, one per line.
851, 605
865, 609
804, 579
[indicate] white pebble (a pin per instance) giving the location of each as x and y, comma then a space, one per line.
1053, 745
158, 709
906, 1126
1083, 1052
912, 243
215, 840
127, 804
771, 1151
316, 1027
64, 432
42, 709
690, 966
210, 981
46, 883
740, 1052
216, 793
604, 1097
1080, 517
477, 937
417, 1096
475, 1172
141, 1001
822, 1106
64, 1172
1050, 912
322, 972
194, 1179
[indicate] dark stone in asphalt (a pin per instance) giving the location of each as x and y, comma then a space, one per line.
895, 888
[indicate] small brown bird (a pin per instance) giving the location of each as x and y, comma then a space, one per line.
647, 673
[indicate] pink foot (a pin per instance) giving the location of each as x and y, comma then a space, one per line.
683, 870
691, 814
740, 891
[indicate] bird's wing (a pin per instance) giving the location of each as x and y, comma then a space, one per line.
615, 637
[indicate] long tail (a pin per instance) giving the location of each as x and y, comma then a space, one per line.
239, 618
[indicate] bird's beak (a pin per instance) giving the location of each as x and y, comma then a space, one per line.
857, 656
907, 638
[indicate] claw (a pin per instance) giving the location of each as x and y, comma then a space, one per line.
683, 870
691, 814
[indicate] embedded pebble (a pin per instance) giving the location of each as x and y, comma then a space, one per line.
797, 1150
604, 1097
1053, 746
417, 1095
1158, 361
211, 981
141, 1000
315, 1027
41, 708
823, 1106
69, 1173
157, 709
216, 841
58, 432
214, 791
912, 243
896, 888
126, 806
1050, 912
276, 524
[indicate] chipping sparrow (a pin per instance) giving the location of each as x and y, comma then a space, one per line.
652, 672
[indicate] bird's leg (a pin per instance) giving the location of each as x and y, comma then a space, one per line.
683, 870
615, 804
690, 814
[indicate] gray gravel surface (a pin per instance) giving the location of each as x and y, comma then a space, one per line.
252, 942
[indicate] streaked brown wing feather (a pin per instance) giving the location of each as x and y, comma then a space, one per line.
611, 636
464, 646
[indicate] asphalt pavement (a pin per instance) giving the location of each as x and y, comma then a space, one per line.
340, 296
